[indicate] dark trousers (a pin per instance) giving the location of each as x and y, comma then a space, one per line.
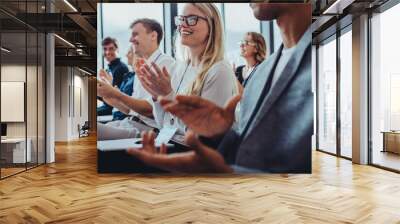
122, 162
104, 110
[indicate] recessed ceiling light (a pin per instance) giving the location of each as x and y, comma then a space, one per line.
70, 5
84, 71
64, 40
5, 50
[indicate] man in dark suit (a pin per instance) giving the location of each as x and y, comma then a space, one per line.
115, 66
276, 116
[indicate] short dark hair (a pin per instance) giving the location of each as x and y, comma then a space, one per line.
109, 40
150, 25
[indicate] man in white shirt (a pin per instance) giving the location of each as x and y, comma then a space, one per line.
145, 38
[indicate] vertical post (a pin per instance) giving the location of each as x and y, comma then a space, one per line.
267, 32
170, 11
50, 92
0, 96
338, 99
360, 90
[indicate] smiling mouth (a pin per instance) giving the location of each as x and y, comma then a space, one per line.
186, 32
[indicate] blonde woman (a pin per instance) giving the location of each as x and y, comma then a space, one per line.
253, 50
204, 71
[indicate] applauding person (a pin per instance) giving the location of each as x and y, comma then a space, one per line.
204, 71
253, 50
276, 116
116, 69
145, 38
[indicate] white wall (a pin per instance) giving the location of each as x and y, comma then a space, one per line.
15, 72
71, 102
33, 127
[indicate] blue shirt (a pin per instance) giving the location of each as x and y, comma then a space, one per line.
126, 87
117, 69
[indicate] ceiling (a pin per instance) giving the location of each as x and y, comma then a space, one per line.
74, 21
331, 15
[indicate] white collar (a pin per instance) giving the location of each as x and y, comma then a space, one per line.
288, 50
156, 54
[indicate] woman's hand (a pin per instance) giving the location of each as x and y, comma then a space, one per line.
156, 81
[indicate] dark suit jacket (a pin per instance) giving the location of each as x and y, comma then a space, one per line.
278, 140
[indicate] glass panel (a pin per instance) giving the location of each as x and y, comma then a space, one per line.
100, 60
314, 89
119, 26
41, 99
346, 94
385, 87
31, 98
236, 27
327, 97
13, 85
277, 37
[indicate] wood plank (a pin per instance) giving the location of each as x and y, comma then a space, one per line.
71, 191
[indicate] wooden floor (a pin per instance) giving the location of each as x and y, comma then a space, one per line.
10, 171
387, 159
70, 191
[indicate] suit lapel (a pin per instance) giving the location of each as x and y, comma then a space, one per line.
253, 89
281, 84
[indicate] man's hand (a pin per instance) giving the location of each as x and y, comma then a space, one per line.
201, 160
202, 116
106, 90
106, 77
156, 81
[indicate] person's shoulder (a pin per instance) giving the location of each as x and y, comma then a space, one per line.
167, 61
222, 71
167, 58
222, 66
122, 64
122, 67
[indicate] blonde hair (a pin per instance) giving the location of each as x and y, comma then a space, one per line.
214, 50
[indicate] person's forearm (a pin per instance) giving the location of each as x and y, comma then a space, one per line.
117, 104
140, 106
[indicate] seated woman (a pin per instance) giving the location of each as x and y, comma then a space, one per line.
253, 50
204, 71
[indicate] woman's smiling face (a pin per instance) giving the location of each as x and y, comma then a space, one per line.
195, 35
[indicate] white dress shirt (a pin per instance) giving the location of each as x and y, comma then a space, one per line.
160, 59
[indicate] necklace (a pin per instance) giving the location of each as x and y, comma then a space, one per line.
251, 74
172, 121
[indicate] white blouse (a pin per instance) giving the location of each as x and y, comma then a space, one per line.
219, 86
